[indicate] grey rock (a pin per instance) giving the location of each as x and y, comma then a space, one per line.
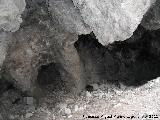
67, 17
10, 14
28, 115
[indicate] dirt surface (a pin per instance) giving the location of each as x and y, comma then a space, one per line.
104, 101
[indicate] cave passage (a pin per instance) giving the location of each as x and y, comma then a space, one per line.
132, 62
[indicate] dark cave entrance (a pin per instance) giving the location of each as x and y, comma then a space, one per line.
49, 77
132, 62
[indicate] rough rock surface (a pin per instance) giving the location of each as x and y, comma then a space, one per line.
10, 14
113, 20
37, 43
10, 20
151, 20
49, 31
67, 17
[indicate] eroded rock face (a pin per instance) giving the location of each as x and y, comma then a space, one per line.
113, 20
49, 31
39, 42
10, 14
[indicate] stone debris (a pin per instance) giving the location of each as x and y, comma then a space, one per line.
88, 94
76, 108
28, 115
67, 111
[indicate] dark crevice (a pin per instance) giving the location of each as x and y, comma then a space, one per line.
49, 75
132, 62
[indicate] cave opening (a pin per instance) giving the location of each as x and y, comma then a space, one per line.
49, 77
132, 62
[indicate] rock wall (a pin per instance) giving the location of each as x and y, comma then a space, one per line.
50, 29
10, 20
10, 14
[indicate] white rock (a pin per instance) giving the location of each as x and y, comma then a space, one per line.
28, 115
53, 117
70, 116
10, 14
67, 111
76, 108
112, 20
88, 94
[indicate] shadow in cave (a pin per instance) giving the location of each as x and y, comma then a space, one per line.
132, 62
49, 76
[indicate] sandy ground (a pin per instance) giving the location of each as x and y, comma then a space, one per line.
106, 102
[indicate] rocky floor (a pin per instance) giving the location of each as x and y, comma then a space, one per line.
104, 102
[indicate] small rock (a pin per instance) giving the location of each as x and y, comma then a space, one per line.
95, 86
157, 80
69, 116
88, 94
102, 87
53, 117
28, 115
76, 108
67, 111
81, 108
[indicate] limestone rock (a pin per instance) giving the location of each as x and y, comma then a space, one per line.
10, 14
112, 20
48, 33
67, 17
